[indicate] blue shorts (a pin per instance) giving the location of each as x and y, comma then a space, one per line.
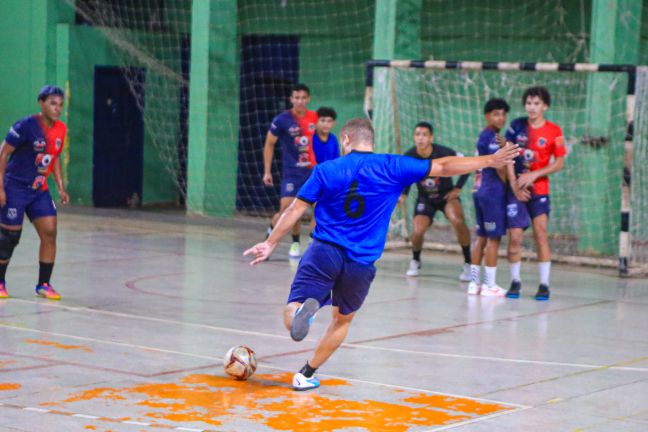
519, 213
428, 207
290, 184
23, 200
325, 273
490, 215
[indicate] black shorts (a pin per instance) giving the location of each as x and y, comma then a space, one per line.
429, 208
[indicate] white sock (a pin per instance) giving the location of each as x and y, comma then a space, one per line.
544, 268
515, 270
475, 275
490, 276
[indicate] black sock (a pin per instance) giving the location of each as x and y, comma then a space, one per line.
295, 238
3, 271
44, 272
307, 370
466, 252
416, 255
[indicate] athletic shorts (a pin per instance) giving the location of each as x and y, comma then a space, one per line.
519, 213
426, 207
490, 216
290, 184
23, 200
325, 273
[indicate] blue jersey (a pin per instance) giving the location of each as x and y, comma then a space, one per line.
325, 151
295, 135
518, 133
487, 182
356, 195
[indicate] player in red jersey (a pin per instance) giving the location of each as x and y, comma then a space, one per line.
29, 153
540, 140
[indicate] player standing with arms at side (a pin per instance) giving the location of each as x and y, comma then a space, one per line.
489, 194
436, 193
355, 195
29, 153
294, 129
539, 140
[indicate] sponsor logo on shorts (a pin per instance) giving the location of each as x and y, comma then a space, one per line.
12, 213
511, 210
290, 187
490, 226
543, 200
420, 207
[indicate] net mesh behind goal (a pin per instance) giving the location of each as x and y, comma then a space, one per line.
585, 195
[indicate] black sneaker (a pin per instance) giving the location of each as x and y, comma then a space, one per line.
514, 291
543, 293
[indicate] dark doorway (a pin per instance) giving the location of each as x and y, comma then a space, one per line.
118, 136
269, 67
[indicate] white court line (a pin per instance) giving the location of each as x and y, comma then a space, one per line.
85, 416
136, 423
347, 345
266, 366
40, 410
476, 420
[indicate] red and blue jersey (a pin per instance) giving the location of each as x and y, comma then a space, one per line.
537, 146
487, 181
296, 137
36, 147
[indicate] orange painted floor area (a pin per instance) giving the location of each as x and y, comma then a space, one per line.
266, 402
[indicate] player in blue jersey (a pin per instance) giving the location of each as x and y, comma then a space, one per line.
489, 195
294, 130
325, 143
29, 153
355, 195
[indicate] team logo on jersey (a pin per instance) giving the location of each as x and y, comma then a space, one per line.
301, 141
12, 213
43, 161
511, 210
493, 146
522, 140
294, 131
39, 182
542, 141
430, 182
13, 132
58, 144
420, 207
311, 126
529, 155
39, 146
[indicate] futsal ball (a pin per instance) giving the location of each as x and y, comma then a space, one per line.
240, 362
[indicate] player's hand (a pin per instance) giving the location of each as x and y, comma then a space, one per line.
526, 180
505, 155
267, 179
523, 195
65, 198
453, 194
261, 252
500, 140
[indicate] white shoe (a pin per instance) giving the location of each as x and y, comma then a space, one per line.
300, 382
465, 274
494, 291
295, 250
414, 267
473, 288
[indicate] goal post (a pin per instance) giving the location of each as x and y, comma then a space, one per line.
451, 95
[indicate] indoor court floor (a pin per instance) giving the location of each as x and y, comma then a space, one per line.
151, 302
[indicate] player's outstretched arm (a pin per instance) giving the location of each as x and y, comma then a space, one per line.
288, 218
455, 165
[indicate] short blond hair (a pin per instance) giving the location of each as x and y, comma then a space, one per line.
359, 131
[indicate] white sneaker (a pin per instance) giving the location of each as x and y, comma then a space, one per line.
494, 291
300, 382
295, 250
473, 288
414, 267
465, 274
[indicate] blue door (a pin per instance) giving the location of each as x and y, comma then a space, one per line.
117, 161
269, 68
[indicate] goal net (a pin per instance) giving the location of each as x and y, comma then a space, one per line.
586, 196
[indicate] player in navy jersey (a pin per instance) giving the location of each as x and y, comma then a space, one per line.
29, 153
434, 194
489, 195
355, 195
294, 130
